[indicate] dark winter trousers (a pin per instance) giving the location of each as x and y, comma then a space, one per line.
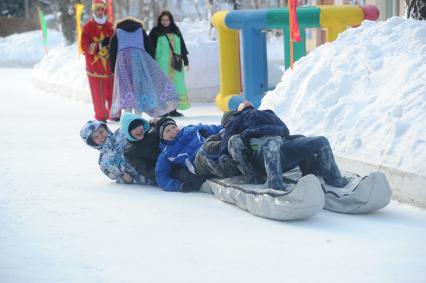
242, 155
222, 167
269, 150
301, 149
273, 156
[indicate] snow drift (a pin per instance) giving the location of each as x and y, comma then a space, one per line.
366, 92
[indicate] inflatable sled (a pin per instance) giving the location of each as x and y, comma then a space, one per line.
361, 195
302, 199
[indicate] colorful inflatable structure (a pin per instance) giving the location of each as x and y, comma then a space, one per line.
252, 24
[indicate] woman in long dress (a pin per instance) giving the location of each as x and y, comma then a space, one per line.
139, 82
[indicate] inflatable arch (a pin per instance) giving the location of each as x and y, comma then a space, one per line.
251, 24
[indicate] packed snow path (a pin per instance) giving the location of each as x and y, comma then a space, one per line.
63, 221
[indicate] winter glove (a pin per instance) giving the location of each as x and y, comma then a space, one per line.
189, 182
105, 42
204, 132
186, 187
192, 185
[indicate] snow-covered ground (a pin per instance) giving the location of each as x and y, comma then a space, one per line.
27, 48
63, 221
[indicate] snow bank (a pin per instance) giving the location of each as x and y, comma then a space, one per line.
27, 48
63, 72
366, 92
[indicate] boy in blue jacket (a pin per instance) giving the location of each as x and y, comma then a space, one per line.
179, 148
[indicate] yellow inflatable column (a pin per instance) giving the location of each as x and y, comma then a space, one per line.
229, 61
338, 18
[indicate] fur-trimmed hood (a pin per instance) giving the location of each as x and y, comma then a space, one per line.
128, 24
128, 118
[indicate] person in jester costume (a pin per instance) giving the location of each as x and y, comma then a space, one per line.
95, 39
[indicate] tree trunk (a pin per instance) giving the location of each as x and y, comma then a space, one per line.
197, 9
416, 9
142, 9
66, 8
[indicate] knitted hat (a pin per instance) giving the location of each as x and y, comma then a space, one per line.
162, 124
96, 4
227, 117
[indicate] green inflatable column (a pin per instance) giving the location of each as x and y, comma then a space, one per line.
308, 17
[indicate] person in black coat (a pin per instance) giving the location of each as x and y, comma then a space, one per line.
167, 41
259, 141
143, 149
160, 30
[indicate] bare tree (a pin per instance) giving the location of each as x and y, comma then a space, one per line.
66, 8
416, 9
197, 9
142, 9
235, 4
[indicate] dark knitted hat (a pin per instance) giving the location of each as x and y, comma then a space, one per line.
162, 124
227, 117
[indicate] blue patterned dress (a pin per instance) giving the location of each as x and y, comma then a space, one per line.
139, 82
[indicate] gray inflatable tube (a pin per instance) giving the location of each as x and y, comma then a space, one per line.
301, 200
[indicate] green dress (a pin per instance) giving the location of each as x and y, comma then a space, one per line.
163, 57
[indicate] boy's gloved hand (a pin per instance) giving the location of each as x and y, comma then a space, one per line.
187, 187
204, 132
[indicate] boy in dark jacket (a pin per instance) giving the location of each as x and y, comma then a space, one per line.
179, 148
143, 150
143, 147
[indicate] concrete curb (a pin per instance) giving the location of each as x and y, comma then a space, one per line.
406, 187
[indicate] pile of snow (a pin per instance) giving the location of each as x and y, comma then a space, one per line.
366, 92
27, 48
62, 71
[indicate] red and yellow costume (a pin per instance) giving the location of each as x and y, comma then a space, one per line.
95, 49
